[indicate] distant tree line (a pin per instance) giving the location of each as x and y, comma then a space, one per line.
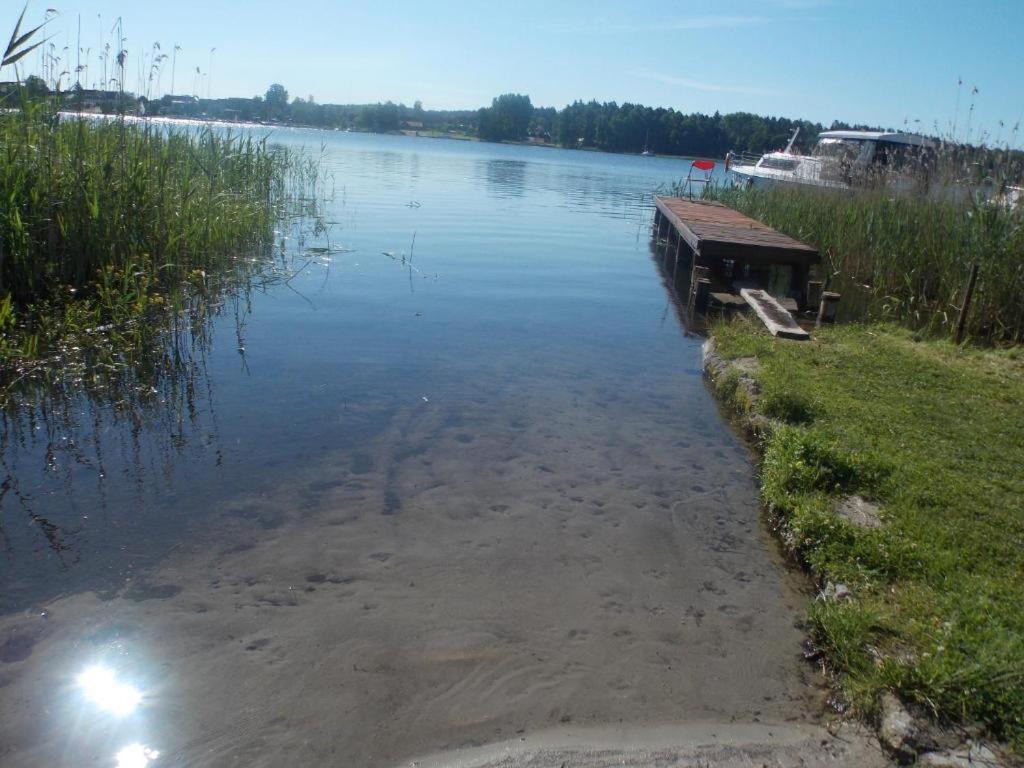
605, 126
633, 128
512, 117
276, 106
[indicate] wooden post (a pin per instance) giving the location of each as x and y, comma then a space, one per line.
675, 267
798, 274
698, 273
966, 306
701, 294
814, 289
827, 308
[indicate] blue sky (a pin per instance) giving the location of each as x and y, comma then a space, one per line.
867, 61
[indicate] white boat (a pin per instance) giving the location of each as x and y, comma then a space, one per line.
840, 160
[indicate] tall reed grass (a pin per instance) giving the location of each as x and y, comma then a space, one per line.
906, 258
115, 214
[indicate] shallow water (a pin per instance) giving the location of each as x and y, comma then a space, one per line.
460, 481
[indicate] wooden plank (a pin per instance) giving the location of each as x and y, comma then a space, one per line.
778, 321
755, 253
727, 299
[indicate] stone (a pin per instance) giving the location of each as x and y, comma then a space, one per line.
835, 592
747, 366
860, 512
967, 756
760, 425
898, 732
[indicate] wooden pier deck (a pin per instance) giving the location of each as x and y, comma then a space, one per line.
714, 231
724, 251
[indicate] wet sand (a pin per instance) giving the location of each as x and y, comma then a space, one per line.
473, 574
687, 745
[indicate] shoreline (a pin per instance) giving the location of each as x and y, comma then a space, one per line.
403, 133
743, 383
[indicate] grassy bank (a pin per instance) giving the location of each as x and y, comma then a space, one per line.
102, 221
934, 435
906, 258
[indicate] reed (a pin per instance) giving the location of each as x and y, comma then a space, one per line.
115, 215
906, 258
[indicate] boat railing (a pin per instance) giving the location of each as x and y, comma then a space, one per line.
744, 158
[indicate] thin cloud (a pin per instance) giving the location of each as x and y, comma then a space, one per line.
799, 5
713, 22
700, 85
685, 23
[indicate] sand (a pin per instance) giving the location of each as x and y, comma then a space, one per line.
690, 745
470, 577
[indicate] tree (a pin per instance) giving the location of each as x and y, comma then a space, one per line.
379, 118
508, 117
276, 101
36, 86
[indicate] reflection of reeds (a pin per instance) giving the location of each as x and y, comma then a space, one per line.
135, 394
911, 254
116, 407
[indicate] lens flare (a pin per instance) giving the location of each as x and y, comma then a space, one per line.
135, 756
101, 688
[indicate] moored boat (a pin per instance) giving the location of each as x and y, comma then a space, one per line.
841, 160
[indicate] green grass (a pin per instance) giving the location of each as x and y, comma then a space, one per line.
906, 258
935, 434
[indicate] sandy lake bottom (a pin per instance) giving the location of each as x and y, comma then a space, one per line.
429, 508
470, 575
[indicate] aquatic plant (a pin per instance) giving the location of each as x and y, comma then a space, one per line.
104, 220
906, 258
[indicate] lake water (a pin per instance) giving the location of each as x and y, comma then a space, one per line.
457, 481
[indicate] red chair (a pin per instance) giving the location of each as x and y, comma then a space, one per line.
705, 169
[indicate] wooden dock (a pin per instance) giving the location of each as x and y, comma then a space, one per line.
713, 231
723, 252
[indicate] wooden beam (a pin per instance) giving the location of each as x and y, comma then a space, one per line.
778, 321
965, 307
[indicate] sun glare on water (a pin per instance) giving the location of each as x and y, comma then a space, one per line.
100, 686
136, 756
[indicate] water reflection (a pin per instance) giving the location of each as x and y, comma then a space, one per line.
137, 413
93, 443
101, 687
674, 265
136, 756
504, 178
